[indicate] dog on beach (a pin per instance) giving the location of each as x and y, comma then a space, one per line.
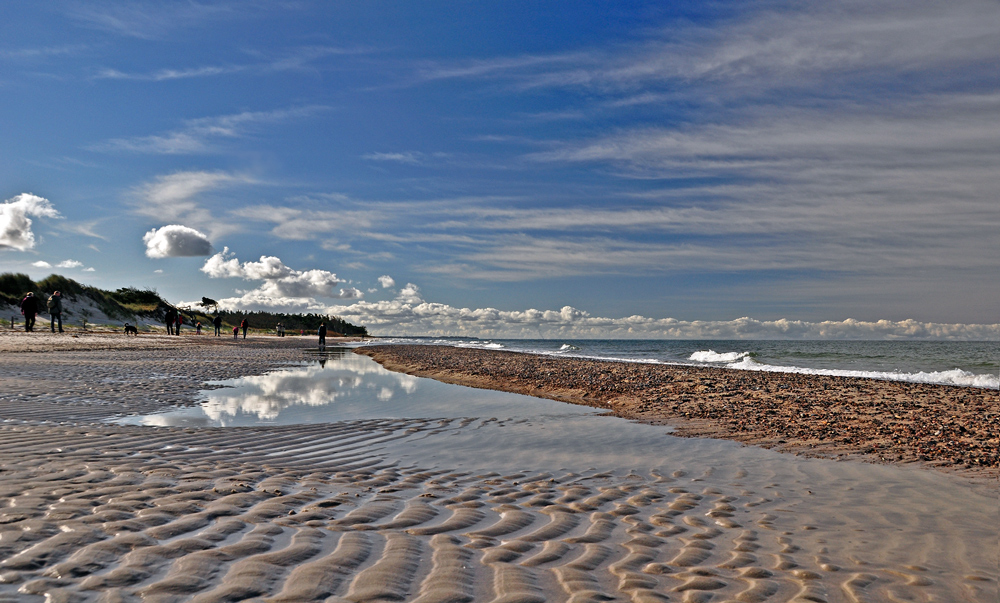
130, 329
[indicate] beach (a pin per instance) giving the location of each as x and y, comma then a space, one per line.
358, 510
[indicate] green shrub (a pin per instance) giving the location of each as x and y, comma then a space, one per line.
138, 297
14, 286
65, 286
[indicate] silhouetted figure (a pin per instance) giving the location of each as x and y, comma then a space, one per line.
29, 307
178, 323
170, 318
245, 324
322, 335
55, 310
197, 328
217, 321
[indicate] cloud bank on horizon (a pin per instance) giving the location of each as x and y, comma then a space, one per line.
409, 314
283, 289
786, 161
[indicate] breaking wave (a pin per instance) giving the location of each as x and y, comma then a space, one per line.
951, 377
713, 356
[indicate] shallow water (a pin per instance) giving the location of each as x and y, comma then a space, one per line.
902, 523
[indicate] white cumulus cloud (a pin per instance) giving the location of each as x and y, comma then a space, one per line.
174, 241
410, 314
15, 223
69, 264
41, 264
386, 281
282, 287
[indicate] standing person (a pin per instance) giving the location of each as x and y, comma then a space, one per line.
55, 310
322, 335
197, 328
169, 319
178, 323
245, 324
29, 307
217, 321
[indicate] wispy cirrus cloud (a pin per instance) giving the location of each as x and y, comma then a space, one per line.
162, 75
177, 198
151, 20
42, 52
299, 224
768, 47
198, 135
301, 58
410, 157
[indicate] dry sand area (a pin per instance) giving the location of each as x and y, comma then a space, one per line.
92, 511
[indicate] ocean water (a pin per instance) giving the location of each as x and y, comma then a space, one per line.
960, 363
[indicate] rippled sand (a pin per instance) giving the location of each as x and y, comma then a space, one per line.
331, 512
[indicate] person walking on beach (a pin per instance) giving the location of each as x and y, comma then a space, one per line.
197, 328
236, 332
322, 335
169, 319
29, 307
178, 323
217, 321
245, 324
278, 330
54, 305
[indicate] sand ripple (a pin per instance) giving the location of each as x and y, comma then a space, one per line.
87, 520
93, 512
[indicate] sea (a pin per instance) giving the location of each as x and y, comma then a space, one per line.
959, 363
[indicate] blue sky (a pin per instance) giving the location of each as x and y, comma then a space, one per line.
516, 168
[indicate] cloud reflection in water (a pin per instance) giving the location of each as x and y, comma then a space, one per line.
347, 378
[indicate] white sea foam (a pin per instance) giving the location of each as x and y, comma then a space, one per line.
713, 356
485, 345
951, 377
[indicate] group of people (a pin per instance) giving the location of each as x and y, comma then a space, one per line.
174, 319
30, 308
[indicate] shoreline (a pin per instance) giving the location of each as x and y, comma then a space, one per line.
942, 427
366, 510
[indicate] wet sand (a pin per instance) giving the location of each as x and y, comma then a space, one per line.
945, 427
96, 512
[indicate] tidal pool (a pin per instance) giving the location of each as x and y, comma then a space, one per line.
861, 515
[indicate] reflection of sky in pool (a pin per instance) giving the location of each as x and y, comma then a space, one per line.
341, 386
480, 430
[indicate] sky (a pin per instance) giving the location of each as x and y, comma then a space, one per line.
516, 169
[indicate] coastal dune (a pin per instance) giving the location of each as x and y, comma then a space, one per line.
94, 511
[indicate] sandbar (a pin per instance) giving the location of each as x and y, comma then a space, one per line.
939, 426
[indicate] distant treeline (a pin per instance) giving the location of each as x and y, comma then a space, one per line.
128, 303
293, 322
